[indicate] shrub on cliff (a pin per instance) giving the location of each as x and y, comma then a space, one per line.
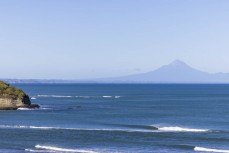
6, 91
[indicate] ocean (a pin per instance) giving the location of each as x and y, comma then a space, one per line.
119, 118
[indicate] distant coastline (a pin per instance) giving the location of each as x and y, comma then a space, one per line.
40, 81
176, 72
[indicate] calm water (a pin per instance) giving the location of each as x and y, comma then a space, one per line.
119, 118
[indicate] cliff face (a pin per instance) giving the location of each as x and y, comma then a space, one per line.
12, 98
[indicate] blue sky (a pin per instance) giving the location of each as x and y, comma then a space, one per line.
72, 39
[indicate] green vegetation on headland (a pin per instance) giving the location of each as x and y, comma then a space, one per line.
6, 91
12, 98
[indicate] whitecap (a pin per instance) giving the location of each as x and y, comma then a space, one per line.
55, 96
162, 129
24, 127
210, 150
107, 96
36, 150
59, 96
25, 109
180, 129
39, 127
63, 128
30, 109
58, 149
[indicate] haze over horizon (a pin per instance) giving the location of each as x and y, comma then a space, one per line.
174, 72
96, 39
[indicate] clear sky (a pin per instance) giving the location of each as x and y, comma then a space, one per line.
72, 39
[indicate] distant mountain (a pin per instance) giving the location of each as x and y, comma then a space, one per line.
175, 72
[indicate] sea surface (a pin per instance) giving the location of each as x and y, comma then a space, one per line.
119, 118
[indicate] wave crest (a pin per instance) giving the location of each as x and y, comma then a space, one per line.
128, 128
210, 150
55, 96
58, 149
180, 129
68, 96
25, 109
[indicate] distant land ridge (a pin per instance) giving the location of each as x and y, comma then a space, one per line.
175, 72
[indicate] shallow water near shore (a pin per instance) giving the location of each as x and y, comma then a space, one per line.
91, 118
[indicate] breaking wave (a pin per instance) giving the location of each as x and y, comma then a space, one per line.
107, 96
210, 150
55, 96
32, 109
68, 96
201, 149
164, 128
124, 128
180, 129
63, 128
25, 109
42, 148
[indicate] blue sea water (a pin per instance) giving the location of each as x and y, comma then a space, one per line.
141, 118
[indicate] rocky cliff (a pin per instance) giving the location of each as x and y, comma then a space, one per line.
12, 98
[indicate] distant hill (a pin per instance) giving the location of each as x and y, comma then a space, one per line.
175, 72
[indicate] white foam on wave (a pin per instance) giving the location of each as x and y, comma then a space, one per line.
210, 150
55, 96
163, 129
25, 109
107, 96
67, 96
31, 109
58, 149
180, 129
33, 98
24, 127
36, 150
63, 128
62, 96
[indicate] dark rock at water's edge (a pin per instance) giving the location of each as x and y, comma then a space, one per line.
34, 106
12, 98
